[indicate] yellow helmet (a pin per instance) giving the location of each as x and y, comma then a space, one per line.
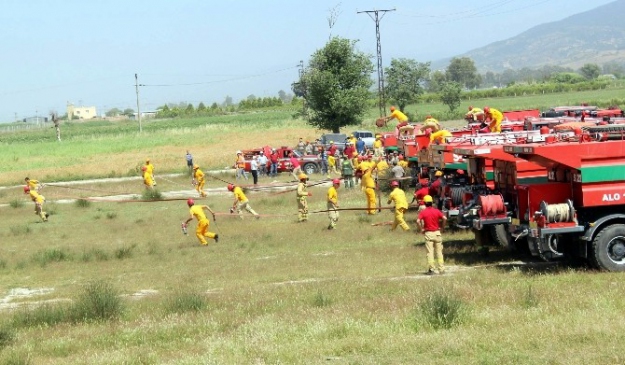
302, 176
427, 199
438, 173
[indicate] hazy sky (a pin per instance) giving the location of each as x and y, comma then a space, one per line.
87, 52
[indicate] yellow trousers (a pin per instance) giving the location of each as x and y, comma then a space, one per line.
202, 231
371, 204
399, 219
434, 247
302, 209
200, 188
39, 211
333, 214
245, 205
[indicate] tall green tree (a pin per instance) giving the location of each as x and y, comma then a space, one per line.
463, 71
437, 79
337, 82
405, 78
590, 71
450, 95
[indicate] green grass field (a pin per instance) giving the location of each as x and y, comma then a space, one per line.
118, 282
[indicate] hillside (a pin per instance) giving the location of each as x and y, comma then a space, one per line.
596, 36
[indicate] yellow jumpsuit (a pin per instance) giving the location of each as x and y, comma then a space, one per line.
150, 169
439, 136
197, 211
474, 113
378, 148
496, 118
302, 203
242, 202
332, 164
397, 114
401, 206
369, 186
432, 124
333, 204
198, 176
147, 180
34, 184
38, 199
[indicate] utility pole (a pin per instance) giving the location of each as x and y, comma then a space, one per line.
138, 110
375, 15
301, 73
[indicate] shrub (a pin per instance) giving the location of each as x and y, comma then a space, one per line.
99, 301
321, 300
83, 203
20, 230
181, 302
7, 336
16, 203
45, 314
152, 194
124, 252
442, 311
51, 255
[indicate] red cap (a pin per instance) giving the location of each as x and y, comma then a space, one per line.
394, 183
190, 202
336, 181
230, 187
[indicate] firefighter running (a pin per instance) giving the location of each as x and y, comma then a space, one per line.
197, 212
240, 202
401, 206
38, 199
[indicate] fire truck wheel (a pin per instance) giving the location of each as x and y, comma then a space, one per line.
609, 248
501, 236
310, 168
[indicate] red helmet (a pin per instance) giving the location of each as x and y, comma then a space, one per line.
392, 108
190, 202
486, 109
401, 157
394, 183
460, 172
336, 182
143, 168
26, 189
230, 187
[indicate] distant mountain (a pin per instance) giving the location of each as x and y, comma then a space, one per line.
595, 36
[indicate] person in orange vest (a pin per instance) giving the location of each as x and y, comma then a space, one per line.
429, 222
239, 164
201, 232
401, 206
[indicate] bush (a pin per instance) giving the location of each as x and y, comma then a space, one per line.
7, 336
51, 255
99, 301
45, 314
181, 302
83, 203
152, 194
16, 203
442, 311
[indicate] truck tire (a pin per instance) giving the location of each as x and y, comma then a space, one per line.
309, 168
609, 248
500, 235
481, 237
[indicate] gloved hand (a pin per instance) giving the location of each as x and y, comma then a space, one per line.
231, 210
309, 194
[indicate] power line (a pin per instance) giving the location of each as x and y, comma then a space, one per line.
219, 81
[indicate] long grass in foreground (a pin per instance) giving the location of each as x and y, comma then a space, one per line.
275, 291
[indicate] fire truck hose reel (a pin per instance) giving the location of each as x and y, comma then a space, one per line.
492, 204
558, 213
456, 193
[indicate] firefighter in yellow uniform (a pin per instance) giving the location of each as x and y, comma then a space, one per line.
431, 124
241, 202
401, 206
378, 146
402, 119
147, 178
382, 165
439, 137
150, 169
198, 180
495, 117
368, 185
201, 231
402, 162
38, 200
302, 194
333, 203
332, 165
33, 184
475, 114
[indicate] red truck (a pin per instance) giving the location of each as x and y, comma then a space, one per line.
309, 163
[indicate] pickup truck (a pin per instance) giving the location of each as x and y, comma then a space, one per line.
366, 136
337, 138
309, 163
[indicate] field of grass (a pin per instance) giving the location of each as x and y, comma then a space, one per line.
118, 283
